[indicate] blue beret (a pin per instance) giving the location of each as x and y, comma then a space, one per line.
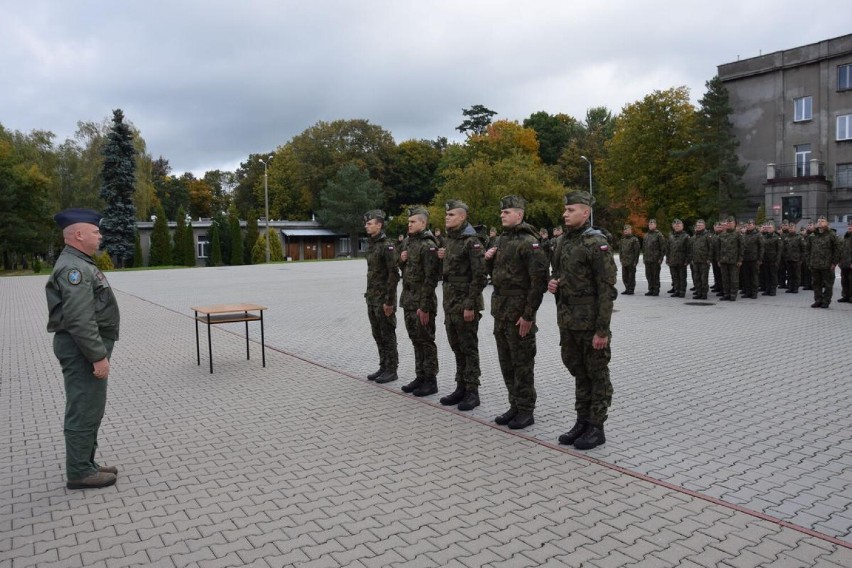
68, 217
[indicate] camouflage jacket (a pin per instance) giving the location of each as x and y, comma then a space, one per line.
794, 248
824, 250
519, 273
80, 302
783, 239
420, 273
629, 254
583, 264
730, 247
701, 249
653, 247
464, 271
678, 249
382, 272
846, 250
772, 248
753, 245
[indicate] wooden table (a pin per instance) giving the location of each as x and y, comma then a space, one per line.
228, 313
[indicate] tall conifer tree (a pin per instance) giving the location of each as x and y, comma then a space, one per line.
118, 183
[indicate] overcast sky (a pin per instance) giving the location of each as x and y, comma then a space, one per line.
207, 82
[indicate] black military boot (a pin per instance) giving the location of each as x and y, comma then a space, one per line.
427, 387
387, 377
571, 435
591, 438
410, 387
521, 421
376, 375
454, 398
506, 417
470, 400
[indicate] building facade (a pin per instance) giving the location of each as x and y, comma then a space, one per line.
792, 115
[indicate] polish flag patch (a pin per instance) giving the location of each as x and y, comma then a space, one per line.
604, 247
536, 246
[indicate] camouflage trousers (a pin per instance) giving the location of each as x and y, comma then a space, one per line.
822, 279
463, 337
384, 333
769, 277
701, 278
678, 272
628, 276
590, 368
751, 277
652, 273
423, 340
517, 364
730, 279
794, 274
845, 282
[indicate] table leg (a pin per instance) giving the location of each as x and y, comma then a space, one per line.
248, 354
197, 345
262, 342
209, 344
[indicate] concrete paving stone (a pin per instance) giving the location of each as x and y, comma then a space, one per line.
556, 557
614, 559
70, 562
140, 558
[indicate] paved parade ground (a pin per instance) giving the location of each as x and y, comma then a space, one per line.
729, 441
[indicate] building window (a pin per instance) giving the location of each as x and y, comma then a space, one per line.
844, 77
343, 246
844, 127
804, 108
803, 160
844, 176
201, 246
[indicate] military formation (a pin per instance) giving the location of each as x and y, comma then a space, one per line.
522, 265
745, 261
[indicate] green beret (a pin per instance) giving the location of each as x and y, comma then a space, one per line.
418, 211
374, 214
456, 204
513, 202
68, 217
579, 198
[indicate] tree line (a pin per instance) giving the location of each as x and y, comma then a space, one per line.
660, 157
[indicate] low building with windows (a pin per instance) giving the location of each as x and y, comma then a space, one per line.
792, 115
300, 240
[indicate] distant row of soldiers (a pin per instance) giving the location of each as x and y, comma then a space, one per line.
742, 258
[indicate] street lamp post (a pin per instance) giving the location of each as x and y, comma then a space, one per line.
592, 213
266, 199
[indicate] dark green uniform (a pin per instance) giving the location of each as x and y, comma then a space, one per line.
629, 257
823, 256
382, 279
584, 266
753, 243
794, 251
701, 254
420, 275
846, 267
464, 279
83, 314
519, 274
677, 257
772, 250
653, 251
730, 259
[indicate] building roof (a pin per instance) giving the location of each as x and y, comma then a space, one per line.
309, 233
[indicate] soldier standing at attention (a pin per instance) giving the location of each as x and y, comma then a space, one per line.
629, 257
83, 315
753, 243
808, 232
518, 269
730, 260
824, 254
421, 270
772, 249
464, 279
782, 264
701, 255
846, 266
677, 258
794, 250
653, 251
718, 229
382, 278
584, 277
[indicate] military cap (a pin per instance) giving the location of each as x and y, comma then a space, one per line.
418, 211
456, 204
730, 219
513, 202
700, 221
628, 226
750, 222
68, 217
822, 218
579, 198
676, 221
654, 221
374, 214
849, 221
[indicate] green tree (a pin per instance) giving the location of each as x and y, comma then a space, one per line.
119, 181
346, 198
258, 251
138, 260
215, 258
161, 242
251, 236
477, 119
223, 228
179, 237
236, 237
554, 133
188, 255
411, 177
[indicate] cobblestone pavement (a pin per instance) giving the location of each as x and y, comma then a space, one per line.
728, 442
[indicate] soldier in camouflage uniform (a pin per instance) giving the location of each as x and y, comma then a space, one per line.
824, 254
772, 250
382, 279
653, 251
421, 270
782, 264
730, 260
518, 269
718, 229
808, 232
677, 258
584, 277
794, 251
83, 314
629, 257
846, 266
701, 258
753, 243
464, 279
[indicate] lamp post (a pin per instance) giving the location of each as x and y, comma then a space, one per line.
266, 199
592, 212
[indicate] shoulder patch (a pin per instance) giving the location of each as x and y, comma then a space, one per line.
536, 246
477, 245
74, 277
604, 247
390, 247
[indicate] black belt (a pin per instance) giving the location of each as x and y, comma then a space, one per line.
457, 279
515, 292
